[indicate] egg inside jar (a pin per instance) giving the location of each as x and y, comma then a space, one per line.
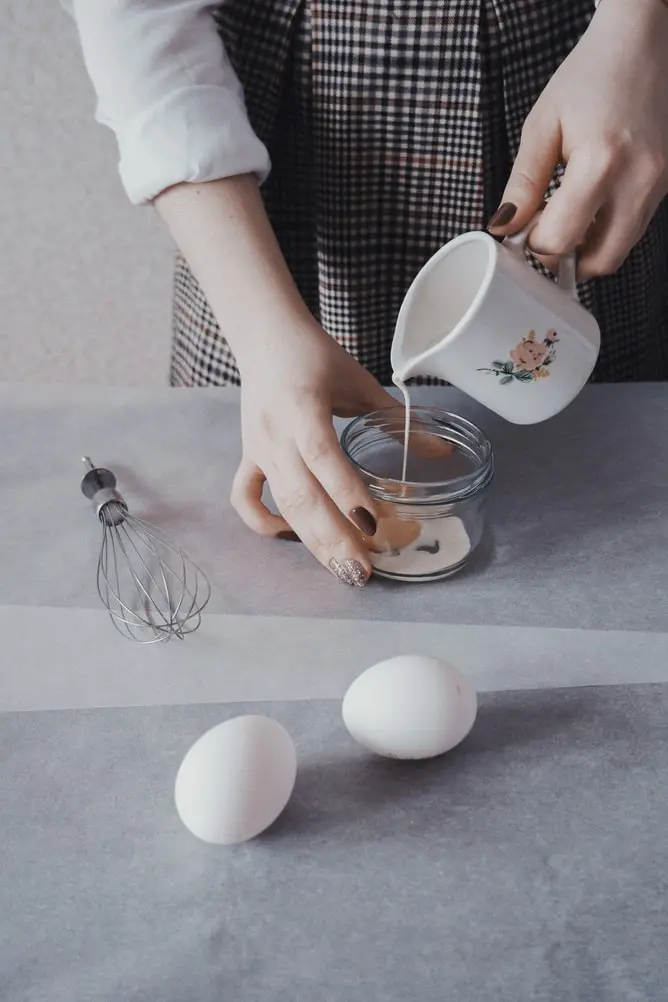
429, 524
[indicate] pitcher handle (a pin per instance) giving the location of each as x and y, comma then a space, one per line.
566, 279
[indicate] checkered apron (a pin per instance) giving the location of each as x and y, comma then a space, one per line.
392, 127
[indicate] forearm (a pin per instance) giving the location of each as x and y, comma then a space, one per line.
630, 14
223, 231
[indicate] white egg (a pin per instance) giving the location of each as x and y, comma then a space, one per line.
410, 707
236, 779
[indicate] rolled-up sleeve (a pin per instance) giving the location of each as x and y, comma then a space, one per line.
166, 87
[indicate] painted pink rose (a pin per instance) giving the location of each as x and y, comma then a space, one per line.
529, 354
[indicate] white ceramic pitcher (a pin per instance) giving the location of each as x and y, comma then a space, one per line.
480, 317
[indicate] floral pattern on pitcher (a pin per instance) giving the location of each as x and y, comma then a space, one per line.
530, 360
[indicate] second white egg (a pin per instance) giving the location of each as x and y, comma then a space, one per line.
236, 779
410, 707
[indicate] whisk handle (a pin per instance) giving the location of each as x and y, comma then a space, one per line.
97, 479
99, 485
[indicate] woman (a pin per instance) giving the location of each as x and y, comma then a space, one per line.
391, 126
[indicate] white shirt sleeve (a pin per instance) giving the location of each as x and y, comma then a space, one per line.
166, 87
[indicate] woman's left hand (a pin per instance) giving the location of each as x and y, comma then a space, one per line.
604, 114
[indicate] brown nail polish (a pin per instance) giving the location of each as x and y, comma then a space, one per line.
364, 521
289, 537
351, 572
503, 215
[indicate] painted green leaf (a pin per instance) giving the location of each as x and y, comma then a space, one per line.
524, 377
496, 364
505, 379
508, 367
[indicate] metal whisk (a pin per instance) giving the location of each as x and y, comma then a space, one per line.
151, 588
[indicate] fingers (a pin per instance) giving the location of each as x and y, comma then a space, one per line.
247, 501
618, 228
426, 444
612, 186
604, 205
572, 214
537, 158
605, 201
420, 442
320, 525
376, 398
320, 450
371, 396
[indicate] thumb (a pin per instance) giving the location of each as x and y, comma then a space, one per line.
362, 399
377, 397
370, 395
537, 157
422, 442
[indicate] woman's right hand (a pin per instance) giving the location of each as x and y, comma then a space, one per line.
289, 396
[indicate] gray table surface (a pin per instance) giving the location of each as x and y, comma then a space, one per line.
579, 532
530, 865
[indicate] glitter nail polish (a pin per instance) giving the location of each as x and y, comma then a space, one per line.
350, 572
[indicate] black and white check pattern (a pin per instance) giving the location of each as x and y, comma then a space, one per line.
392, 126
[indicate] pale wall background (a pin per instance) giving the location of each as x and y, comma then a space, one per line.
85, 278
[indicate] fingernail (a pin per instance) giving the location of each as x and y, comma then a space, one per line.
364, 521
351, 572
289, 537
503, 215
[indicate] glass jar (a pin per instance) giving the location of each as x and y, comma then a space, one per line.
429, 525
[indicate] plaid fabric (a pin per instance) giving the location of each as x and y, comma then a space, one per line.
392, 126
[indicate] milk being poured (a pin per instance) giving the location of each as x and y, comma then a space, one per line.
442, 542
401, 385
434, 305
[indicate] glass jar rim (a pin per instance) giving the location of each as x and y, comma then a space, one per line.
438, 422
